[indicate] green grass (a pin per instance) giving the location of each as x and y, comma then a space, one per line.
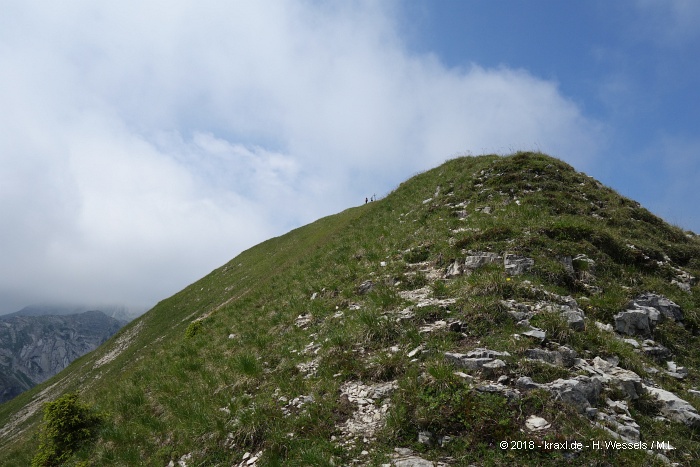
181, 385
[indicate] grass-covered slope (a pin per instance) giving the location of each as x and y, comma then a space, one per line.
331, 345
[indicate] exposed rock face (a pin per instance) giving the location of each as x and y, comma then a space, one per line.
644, 313
675, 408
34, 348
566, 306
535, 423
563, 356
632, 322
616, 419
665, 306
372, 405
478, 359
481, 258
581, 391
516, 265
628, 381
473, 261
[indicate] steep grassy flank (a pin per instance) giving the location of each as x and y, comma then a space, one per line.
213, 371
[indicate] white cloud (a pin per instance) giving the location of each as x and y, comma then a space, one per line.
148, 142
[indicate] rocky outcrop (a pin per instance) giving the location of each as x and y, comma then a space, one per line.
582, 392
563, 356
633, 322
675, 408
473, 261
371, 404
513, 265
516, 265
565, 306
34, 348
615, 418
660, 303
609, 373
645, 312
478, 359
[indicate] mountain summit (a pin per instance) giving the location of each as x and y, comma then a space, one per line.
491, 311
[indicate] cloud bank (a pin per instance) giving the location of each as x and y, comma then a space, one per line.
146, 143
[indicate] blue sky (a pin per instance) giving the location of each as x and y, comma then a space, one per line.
630, 65
146, 143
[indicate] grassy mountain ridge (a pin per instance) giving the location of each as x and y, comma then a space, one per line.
263, 354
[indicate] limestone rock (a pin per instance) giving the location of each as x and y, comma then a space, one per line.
516, 265
563, 356
584, 267
473, 261
568, 263
499, 388
645, 312
684, 286
478, 359
369, 414
303, 321
668, 308
526, 383
656, 351
675, 408
425, 437
675, 371
413, 461
365, 287
535, 423
582, 391
535, 333
608, 372
422, 298
567, 307
633, 322
617, 420
480, 258
454, 269
404, 457
574, 317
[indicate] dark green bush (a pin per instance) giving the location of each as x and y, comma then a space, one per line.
68, 424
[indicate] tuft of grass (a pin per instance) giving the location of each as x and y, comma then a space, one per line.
248, 364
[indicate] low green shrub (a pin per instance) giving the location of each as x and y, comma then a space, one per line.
193, 329
68, 425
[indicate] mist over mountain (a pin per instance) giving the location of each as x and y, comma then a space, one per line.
490, 311
118, 312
